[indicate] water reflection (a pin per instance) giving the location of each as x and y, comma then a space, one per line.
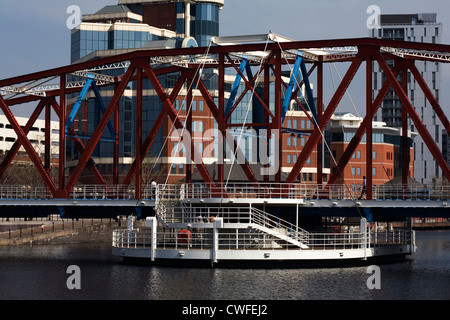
39, 272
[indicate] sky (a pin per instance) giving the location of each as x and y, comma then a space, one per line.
34, 34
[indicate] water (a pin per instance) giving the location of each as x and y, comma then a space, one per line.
40, 272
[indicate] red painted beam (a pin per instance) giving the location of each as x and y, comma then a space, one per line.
178, 125
188, 123
16, 146
62, 133
155, 128
431, 98
266, 47
138, 141
319, 116
47, 149
369, 107
404, 146
345, 158
317, 133
221, 123
277, 120
217, 115
99, 130
91, 163
427, 138
116, 141
249, 85
25, 142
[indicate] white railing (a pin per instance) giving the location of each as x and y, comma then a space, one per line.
231, 190
124, 238
244, 240
24, 192
311, 191
243, 215
288, 229
79, 192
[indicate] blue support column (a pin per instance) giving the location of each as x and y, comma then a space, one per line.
244, 66
299, 70
71, 118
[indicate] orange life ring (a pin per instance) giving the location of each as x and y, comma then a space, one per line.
184, 236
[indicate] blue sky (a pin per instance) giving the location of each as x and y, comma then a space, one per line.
34, 35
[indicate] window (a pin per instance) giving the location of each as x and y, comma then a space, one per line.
288, 159
288, 142
374, 171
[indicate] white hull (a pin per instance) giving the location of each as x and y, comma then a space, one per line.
180, 256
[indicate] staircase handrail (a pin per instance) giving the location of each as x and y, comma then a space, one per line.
270, 221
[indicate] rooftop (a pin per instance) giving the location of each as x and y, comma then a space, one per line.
219, 2
408, 19
113, 9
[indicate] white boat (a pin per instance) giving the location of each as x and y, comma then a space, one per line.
204, 231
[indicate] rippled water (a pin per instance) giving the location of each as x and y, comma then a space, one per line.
39, 272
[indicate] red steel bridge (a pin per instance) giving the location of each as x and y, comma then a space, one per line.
250, 59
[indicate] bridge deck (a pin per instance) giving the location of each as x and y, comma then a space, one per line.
106, 201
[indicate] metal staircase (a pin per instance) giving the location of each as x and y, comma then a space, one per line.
279, 228
171, 212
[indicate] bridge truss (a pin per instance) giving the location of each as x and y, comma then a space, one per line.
266, 55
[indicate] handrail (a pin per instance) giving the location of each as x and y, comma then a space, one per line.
124, 238
313, 191
291, 230
232, 190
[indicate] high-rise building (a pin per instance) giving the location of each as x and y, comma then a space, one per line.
134, 25
421, 27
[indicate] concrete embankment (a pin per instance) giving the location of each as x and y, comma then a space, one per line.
19, 232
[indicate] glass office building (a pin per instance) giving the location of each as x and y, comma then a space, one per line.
121, 28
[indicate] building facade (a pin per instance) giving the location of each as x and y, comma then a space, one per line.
422, 27
386, 150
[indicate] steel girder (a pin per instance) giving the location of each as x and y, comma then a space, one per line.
139, 66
